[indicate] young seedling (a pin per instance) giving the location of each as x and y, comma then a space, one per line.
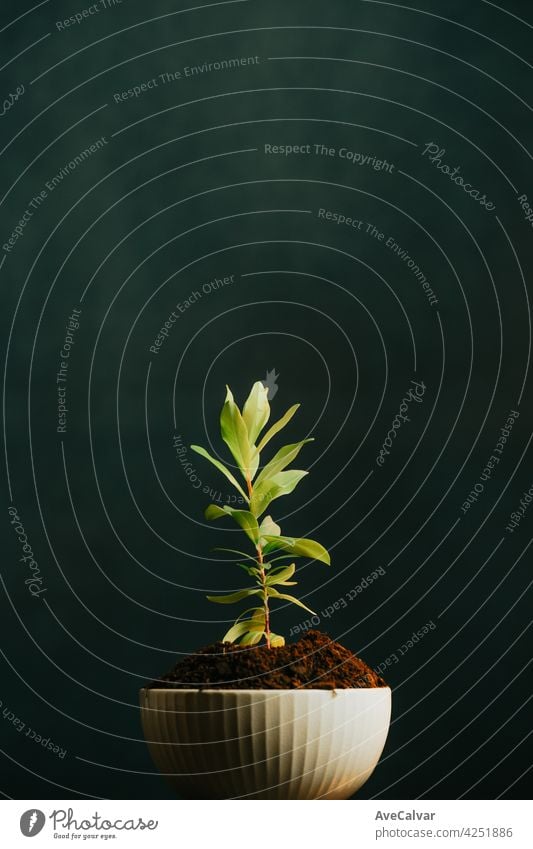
241, 431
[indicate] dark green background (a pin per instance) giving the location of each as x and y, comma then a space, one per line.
185, 194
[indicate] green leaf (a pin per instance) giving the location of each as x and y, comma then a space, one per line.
256, 411
213, 511
241, 553
235, 632
275, 594
250, 570
277, 641
277, 426
222, 468
251, 638
244, 518
281, 460
250, 629
298, 548
281, 575
247, 521
281, 484
233, 597
275, 559
258, 614
235, 434
269, 527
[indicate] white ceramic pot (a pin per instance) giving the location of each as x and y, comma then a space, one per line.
266, 744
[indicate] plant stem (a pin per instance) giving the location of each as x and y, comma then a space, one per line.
265, 594
262, 574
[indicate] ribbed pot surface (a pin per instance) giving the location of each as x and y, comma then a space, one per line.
266, 744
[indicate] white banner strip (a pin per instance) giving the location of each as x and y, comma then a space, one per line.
233, 824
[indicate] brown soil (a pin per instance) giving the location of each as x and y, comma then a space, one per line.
313, 662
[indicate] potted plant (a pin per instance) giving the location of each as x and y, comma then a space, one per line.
251, 717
